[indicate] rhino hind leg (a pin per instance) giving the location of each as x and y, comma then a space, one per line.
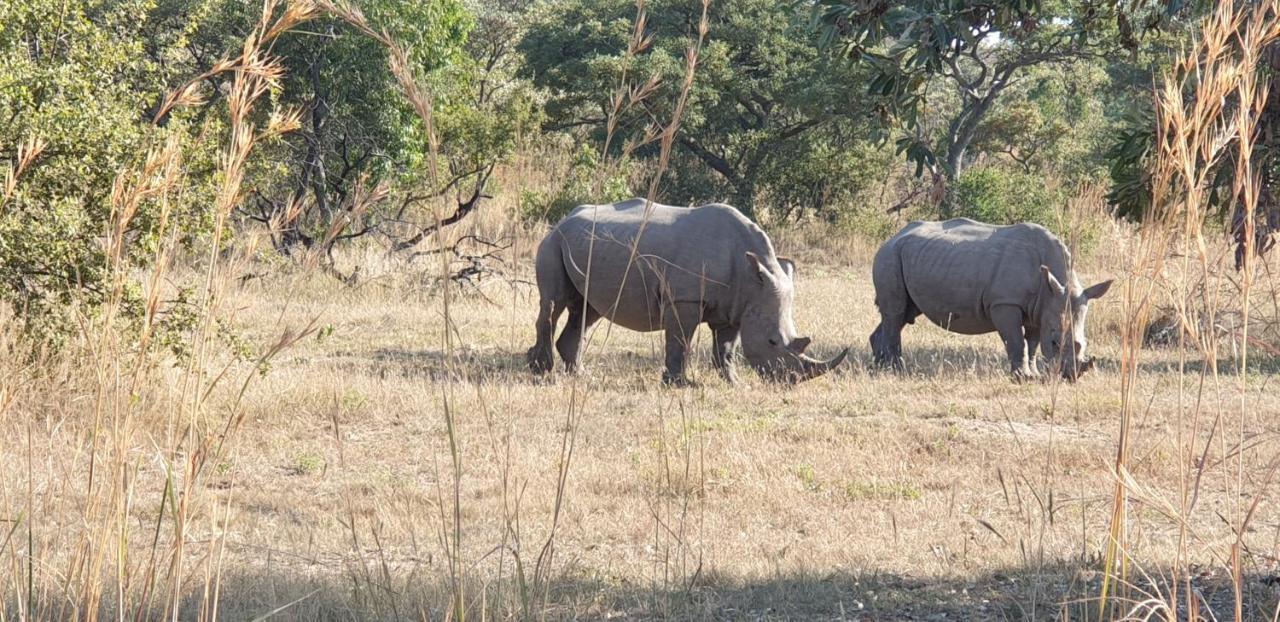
556, 294
569, 345
540, 358
886, 342
897, 309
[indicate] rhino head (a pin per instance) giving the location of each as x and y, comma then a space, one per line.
769, 340
1063, 310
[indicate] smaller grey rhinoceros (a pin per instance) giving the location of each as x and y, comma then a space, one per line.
973, 278
689, 266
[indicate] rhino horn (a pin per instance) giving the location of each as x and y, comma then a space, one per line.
812, 368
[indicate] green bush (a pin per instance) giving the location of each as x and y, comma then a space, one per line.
87, 90
1004, 196
585, 176
816, 178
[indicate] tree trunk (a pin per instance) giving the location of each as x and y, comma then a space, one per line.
311, 178
964, 126
743, 185
962, 130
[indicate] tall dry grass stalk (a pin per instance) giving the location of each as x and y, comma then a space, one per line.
676, 489
153, 534
680, 484
28, 151
150, 537
1208, 111
448, 503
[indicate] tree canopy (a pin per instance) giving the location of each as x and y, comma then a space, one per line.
85, 85
767, 118
832, 109
980, 50
88, 85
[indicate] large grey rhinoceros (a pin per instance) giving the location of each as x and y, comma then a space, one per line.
972, 278
691, 265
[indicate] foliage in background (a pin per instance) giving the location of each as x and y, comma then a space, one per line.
1023, 95
586, 181
87, 78
1130, 156
356, 129
769, 122
1055, 123
359, 132
1004, 195
87, 84
980, 51
782, 125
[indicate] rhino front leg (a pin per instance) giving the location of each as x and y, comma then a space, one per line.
1008, 322
681, 322
569, 345
722, 352
1033, 342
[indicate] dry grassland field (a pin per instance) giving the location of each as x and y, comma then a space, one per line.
948, 492
224, 398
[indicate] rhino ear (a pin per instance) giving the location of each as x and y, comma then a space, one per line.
1052, 281
788, 266
1096, 291
759, 268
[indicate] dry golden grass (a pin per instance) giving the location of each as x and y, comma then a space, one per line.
400, 462
948, 490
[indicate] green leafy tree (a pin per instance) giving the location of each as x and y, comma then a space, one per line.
1003, 194
359, 164
1058, 121
84, 77
357, 129
763, 98
484, 109
980, 50
87, 77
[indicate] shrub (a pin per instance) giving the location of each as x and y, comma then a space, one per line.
87, 91
1003, 196
831, 181
587, 181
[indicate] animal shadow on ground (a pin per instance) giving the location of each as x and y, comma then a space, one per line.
336, 590
495, 365
941, 361
1195, 364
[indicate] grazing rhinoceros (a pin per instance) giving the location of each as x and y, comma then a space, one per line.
691, 265
972, 278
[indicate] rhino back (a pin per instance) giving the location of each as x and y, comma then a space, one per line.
684, 255
956, 270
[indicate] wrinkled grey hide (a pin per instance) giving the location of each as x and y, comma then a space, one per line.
692, 265
972, 278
